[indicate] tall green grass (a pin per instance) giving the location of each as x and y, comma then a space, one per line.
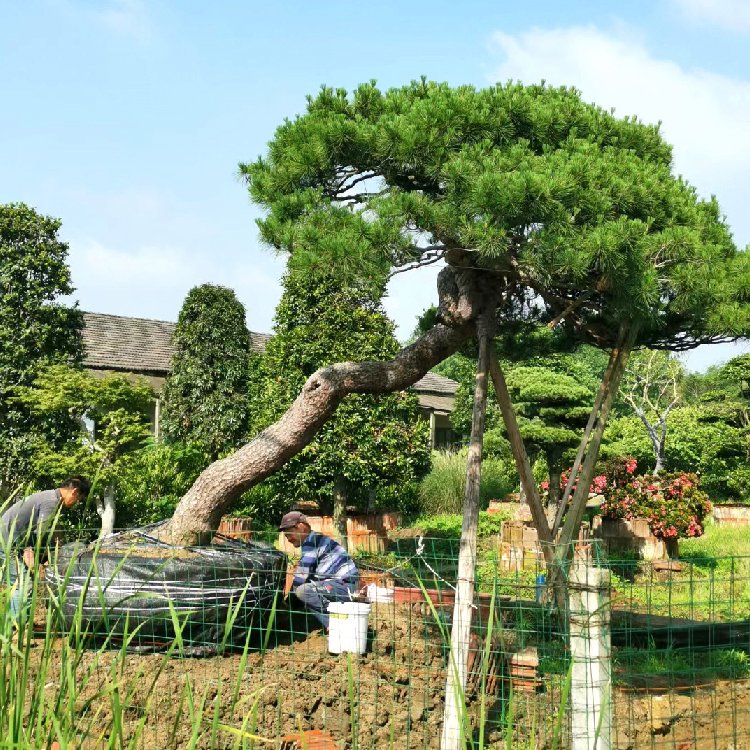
442, 490
61, 685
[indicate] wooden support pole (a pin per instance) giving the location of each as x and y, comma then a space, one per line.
600, 396
580, 496
521, 457
454, 736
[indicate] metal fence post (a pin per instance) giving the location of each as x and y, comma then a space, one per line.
590, 650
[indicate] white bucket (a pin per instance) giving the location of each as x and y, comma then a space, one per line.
380, 594
347, 627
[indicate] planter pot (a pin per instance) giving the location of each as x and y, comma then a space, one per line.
444, 598
619, 535
236, 528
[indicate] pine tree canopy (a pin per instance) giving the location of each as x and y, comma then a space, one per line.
574, 211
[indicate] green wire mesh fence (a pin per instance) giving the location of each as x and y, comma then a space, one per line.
211, 653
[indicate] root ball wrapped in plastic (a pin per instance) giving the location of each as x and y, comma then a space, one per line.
132, 587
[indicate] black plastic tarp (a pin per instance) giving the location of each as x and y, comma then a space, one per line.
133, 587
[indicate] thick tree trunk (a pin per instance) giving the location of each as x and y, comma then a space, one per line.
339, 511
198, 513
465, 294
455, 684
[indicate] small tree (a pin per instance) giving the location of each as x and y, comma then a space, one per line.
35, 329
206, 401
651, 387
553, 409
372, 449
65, 396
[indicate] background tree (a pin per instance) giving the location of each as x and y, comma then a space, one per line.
89, 426
651, 387
373, 449
36, 330
553, 409
206, 400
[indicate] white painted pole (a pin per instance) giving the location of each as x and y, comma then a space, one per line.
106, 511
590, 650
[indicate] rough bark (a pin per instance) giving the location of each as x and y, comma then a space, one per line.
464, 293
339, 511
455, 684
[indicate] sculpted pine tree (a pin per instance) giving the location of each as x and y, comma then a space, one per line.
537, 203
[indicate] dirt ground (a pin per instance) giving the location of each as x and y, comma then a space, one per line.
390, 697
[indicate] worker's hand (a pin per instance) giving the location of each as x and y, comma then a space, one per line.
28, 558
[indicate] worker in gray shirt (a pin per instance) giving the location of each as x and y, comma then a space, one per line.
23, 526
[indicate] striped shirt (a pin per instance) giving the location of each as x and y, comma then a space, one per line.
323, 559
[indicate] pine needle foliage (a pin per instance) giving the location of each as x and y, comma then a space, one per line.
576, 209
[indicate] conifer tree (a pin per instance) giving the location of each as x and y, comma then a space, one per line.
206, 396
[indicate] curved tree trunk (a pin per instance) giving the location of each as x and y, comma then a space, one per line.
464, 293
198, 513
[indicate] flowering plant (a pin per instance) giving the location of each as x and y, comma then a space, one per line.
673, 504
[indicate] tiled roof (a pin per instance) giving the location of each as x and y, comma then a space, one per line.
142, 345
434, 383
432, 402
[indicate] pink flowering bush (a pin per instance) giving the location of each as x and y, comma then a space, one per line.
673, 504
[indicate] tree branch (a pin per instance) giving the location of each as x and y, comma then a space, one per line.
200, 510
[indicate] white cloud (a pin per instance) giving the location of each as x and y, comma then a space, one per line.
152, 281
733, 15
127, 17
704, 115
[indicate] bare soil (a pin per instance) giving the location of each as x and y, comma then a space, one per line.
390, 697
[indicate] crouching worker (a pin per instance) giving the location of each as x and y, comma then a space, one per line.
325, 572
25, 525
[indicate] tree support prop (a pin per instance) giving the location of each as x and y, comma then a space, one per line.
454, 721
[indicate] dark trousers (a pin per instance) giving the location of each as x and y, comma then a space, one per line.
317, 595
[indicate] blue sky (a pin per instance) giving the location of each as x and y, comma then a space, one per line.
127, 118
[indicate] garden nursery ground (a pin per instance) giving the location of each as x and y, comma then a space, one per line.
390, 697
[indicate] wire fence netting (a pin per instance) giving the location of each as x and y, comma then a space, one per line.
133, 643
